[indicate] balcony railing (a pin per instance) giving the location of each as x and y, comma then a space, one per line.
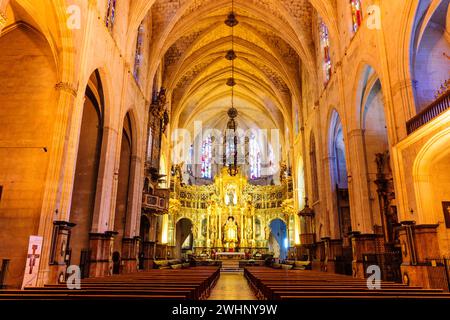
158, 201
429, 113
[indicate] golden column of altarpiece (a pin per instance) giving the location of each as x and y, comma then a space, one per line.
231, 214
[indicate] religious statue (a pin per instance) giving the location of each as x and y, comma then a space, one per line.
165, 121
267, 232
283, 170
177, 171
231, 196
249, 232
230, 233
162, 99
213, 234
194, 232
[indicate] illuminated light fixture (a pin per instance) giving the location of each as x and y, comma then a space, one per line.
231, 82
231, 153
231, 55
231, 19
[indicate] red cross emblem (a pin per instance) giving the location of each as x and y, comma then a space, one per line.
33, 257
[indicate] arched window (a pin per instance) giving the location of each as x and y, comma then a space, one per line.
254, 158
356, 14
110, 14
429, 53
190, 160
325, 49
230, 141
207, 158
138, 58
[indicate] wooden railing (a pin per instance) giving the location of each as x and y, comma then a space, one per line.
429, 113
307, 238
158, 201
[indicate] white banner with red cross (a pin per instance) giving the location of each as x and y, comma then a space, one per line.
32, 264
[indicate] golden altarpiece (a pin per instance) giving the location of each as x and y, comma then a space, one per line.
232, 215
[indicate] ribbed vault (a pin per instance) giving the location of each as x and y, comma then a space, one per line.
273, 41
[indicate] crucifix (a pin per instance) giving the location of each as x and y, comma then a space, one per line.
33, 257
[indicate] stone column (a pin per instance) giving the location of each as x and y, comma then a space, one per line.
331, 223
105, 198
134, 198
101, 246
130, 254
360, 206
419, 245
60, 174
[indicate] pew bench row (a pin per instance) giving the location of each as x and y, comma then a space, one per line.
276, 284
180, 284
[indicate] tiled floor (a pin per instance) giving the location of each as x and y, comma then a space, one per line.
232, 286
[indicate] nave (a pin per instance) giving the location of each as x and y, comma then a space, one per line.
148, 143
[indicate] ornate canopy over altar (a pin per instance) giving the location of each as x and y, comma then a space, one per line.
231, 214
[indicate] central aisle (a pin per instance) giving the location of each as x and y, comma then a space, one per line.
232, 286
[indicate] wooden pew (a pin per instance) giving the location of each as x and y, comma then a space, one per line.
191, 284
276, 284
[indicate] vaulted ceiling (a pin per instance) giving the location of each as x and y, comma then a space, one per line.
273, 41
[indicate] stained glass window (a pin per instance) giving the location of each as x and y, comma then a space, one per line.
207, 158
325, 48
190, 159
138, 58
356, 14
110, 14
254, 158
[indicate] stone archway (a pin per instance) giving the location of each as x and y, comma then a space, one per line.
431, 176
87, 173
429, 48
339, 178
278, 239
184, 237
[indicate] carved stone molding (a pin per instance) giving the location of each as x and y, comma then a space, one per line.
67, 87
3, 20
355, 133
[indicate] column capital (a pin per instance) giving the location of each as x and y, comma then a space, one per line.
67, 87
3, 20
92, 3
136, 159
355, 132
403, 84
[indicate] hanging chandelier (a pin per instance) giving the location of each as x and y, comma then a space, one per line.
231, 164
